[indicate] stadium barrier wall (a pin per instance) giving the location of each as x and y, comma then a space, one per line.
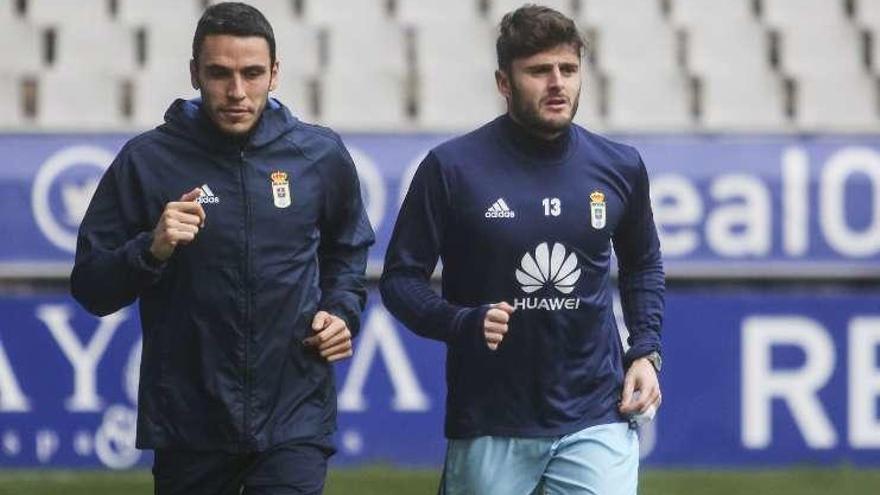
755, 375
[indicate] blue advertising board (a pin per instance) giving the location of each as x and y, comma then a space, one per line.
750, 379
725, 206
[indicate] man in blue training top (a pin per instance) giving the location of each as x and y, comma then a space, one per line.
524, 212
242, 232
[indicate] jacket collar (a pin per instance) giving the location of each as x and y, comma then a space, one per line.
185, 118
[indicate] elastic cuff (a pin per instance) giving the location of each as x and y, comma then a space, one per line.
469, 321
638, 351
139, 257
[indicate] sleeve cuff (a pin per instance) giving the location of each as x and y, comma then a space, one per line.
468, 321
639, 351
140, 258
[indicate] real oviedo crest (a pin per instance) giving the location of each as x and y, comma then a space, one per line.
597, 210
280, 189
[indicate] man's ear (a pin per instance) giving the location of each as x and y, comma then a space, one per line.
274, 76
194, 73
502, 80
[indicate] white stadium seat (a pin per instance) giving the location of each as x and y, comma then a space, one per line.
11, 114
363, 88
154, 90
832, 102
165, 13
273, 10
421, 12
104, 47
358, 101
742, 102
798, 13
689, 13
740, 91
647, 101
296, 47
83, 13
20, 45
589, 106
497, 8
455, 92
79, 100
868, 14
331, 12
600, 13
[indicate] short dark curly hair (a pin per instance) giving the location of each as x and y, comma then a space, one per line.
532, 29
237, 19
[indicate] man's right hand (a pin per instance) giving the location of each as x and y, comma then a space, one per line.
495, 323
179, 224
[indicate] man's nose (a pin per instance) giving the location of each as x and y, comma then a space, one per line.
235, 90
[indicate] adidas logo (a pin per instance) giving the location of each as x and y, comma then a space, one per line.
552, 267
207, 196
499, 209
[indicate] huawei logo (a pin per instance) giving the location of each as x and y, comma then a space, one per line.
548, 267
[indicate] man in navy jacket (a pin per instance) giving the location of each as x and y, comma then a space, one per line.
524, 212
242, 233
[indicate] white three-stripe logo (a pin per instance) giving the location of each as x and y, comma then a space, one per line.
499, 209
207, 196
547, 266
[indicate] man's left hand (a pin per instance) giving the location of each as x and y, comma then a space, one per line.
641, 377
332, 337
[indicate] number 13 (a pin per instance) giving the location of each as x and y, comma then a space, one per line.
552, 207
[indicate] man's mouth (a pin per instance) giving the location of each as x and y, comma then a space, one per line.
556, 103
235, 112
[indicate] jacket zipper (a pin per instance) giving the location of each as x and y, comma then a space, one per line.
247, 299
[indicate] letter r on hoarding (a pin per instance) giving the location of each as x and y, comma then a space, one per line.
798, 388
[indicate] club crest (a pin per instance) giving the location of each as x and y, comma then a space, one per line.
597, 209
280, 189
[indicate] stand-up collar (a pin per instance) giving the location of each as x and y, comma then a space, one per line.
187, 118
532, 145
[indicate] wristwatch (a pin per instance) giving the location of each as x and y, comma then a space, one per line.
655, 360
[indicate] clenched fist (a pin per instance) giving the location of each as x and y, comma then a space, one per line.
495, 323
332, 337
179, 224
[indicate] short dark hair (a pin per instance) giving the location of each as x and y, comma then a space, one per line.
532, 29
237, 19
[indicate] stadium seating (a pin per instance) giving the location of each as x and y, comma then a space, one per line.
667, 65
821, 51
738, 89
646, 89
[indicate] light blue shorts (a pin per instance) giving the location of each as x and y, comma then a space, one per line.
600, 460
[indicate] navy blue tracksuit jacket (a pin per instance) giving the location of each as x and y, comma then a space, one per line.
530, 222
223, 367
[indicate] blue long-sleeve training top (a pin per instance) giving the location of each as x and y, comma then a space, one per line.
532, 222
285, 235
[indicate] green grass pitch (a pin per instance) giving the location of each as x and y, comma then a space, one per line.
393, 481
